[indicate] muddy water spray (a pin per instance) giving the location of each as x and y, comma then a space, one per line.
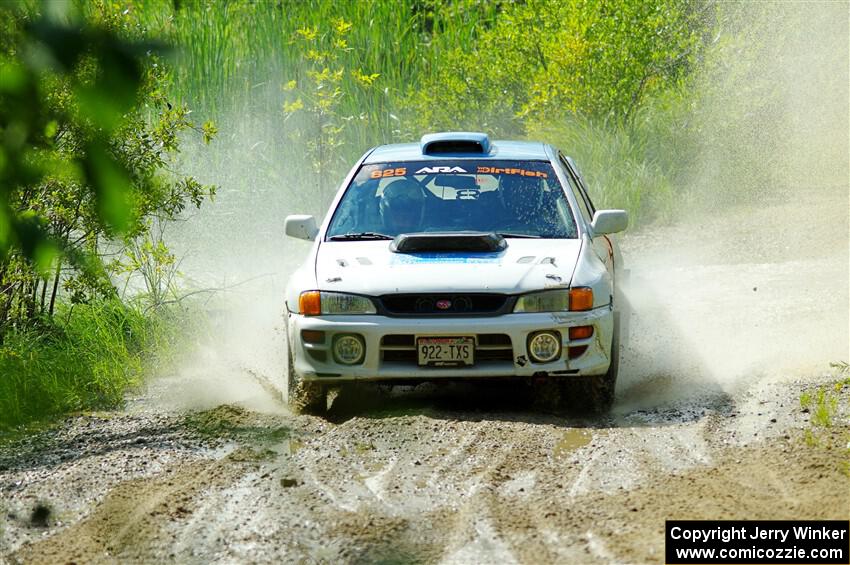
746, 287
236, 253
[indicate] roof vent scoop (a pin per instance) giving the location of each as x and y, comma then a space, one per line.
454, 143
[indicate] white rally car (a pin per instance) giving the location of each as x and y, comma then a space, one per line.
458, 257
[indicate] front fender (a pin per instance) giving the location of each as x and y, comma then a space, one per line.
304, 278
591, 272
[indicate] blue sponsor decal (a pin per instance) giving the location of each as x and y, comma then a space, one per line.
464, 258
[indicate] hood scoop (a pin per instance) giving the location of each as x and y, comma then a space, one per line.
482, 242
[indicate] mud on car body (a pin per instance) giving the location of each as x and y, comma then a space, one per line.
458, 258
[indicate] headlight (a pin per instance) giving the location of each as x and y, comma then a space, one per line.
314, 303
561, 300
546, 301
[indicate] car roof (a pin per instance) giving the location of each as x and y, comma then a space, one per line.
495, 150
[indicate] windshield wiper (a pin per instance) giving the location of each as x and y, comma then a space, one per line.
519, 235
359, 236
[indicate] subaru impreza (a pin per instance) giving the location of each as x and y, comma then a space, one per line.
453, 258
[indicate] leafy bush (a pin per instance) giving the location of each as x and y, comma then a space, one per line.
86, 135
546, 60
86, 138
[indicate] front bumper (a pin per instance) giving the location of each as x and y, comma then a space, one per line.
501, 349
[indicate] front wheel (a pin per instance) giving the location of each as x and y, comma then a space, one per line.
303, 396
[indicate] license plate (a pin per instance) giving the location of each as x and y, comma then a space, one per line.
445, 350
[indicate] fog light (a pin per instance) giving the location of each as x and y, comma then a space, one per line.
544, 347
576, 351
349, 349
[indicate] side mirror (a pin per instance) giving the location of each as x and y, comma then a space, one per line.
609, 221
301, 226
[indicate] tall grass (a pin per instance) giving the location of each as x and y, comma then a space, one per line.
233, 61
643, 166
86, 362
240, 54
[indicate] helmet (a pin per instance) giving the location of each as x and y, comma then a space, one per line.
522, 197
402, 206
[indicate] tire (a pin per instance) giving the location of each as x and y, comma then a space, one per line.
303, 396
596, 393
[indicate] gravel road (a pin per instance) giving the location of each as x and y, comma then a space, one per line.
735, 319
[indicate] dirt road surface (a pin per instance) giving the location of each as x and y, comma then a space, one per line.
735, 318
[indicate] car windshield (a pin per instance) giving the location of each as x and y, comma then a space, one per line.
512, 198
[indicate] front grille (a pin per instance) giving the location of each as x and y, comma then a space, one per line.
401, 348
470, 304
399, 356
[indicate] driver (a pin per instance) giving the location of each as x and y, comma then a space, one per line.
402, 206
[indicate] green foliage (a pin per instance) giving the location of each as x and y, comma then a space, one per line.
86, 137
149, 258
64, 92
86, 361
546, 60
630, 165
823, 407
313, 111
822, 403
828, 423
243, 52
236, 63
316, 82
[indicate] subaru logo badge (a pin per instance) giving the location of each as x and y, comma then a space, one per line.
444, 304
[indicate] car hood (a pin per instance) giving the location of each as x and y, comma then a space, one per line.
369, 267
